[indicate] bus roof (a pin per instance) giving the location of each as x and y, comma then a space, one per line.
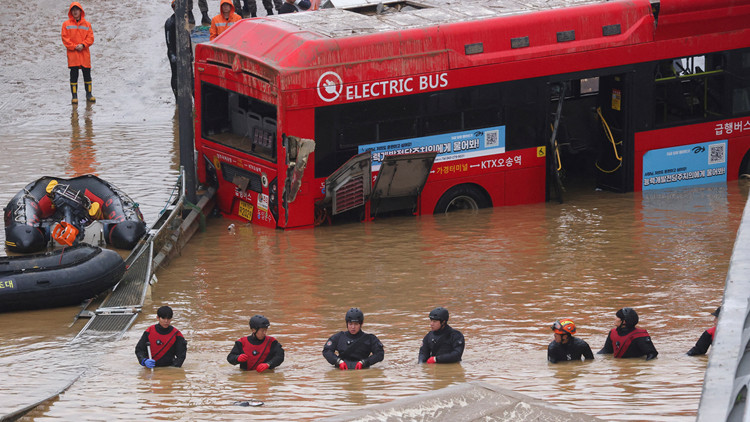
455, 33
334, 36
362, 17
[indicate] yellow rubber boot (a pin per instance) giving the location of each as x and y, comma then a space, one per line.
74, 91
90, 98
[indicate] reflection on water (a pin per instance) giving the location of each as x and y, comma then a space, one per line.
504, 274
82, 155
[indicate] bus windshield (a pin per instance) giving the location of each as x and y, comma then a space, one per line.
239, 122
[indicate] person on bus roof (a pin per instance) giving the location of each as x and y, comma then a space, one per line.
626, 341
224, 19
442, 344
565, 346
707, 338
161, 344
353, 349
257, 351
251, 8
291, 6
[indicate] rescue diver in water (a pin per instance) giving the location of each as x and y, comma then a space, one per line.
166, 343
257, 351
707, 338
626, 341
353, 349
442, 344
566, 347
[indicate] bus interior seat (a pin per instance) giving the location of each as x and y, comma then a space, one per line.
239, 125
269, 126
253, 121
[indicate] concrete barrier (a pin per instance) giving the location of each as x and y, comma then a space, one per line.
471, 401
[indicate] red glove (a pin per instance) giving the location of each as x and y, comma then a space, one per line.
359, 365
242, 358
343, 366
261, 367
431, 360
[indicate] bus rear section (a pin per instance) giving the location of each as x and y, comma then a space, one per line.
236, 138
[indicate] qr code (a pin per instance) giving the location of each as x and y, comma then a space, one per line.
491, 138
716, 154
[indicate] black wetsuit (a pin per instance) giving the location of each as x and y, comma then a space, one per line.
641, 346
170, 34
572, 350
275, 354
360, 347
445, 344
703, 343
174, 356
251, 8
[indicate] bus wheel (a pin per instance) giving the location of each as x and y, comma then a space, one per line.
462, 197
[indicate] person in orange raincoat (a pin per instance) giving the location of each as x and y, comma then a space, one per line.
223, 20
77, 37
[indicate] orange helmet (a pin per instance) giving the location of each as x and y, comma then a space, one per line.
564, 326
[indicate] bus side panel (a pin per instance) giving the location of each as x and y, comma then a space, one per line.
512, 178
525, 186
735, 131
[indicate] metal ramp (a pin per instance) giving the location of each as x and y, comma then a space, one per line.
120, 308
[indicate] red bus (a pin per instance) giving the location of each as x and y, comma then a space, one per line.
433, 106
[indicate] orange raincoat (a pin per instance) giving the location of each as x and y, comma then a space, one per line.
219, 24
77, 32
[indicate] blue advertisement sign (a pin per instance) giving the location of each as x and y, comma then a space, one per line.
686, 165
449, 146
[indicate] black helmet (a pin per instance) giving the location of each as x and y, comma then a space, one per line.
716, 312
355, 315
439, 314
629, 315
259, 321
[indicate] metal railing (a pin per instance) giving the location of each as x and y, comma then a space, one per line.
121, 307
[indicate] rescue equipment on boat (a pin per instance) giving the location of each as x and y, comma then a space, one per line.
60, 209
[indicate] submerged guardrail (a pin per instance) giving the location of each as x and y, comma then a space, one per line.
120, 308
727, 379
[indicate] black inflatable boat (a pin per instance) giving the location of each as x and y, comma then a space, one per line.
60, 278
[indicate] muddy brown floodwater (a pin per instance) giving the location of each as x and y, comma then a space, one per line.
505, 274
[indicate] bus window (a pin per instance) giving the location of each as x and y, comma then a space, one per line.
741, 88
238, 121
689, 89
340, 129
589, 85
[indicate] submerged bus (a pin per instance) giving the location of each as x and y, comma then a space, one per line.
430, 106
